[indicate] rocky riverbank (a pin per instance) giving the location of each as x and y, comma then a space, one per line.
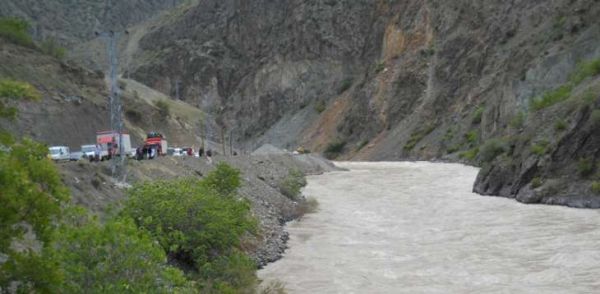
92, 187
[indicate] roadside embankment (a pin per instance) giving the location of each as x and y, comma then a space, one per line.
91, 186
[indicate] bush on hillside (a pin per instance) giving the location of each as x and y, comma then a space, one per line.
113, 258
292, 184
477, 116
15, 30
334, 149
491, 149
200, 224
164, 110
51, 47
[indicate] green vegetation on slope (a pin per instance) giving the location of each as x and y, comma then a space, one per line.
584, 70
15, 30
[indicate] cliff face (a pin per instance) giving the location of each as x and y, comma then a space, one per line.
390, 80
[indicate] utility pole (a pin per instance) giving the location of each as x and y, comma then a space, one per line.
115, 105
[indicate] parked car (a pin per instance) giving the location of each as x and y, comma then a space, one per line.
88, 150
75, 156
59, 153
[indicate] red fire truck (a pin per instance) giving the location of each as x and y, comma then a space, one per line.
156, 141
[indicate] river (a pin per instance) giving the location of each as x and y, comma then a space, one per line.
417, 228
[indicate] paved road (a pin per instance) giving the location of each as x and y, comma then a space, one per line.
417, 228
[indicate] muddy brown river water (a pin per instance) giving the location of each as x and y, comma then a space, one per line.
417, 228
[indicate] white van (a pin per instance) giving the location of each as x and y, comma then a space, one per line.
59, 153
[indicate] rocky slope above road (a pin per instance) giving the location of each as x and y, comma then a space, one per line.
92, 187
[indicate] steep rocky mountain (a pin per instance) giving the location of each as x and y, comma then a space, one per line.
71, 22
74, 103
397, 79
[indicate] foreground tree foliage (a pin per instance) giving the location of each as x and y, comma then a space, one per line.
200, 224
115, 257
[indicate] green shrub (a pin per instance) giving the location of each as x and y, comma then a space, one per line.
472, 137
200, 226
536, 182
585, 167
595, 117
585, 70
292, 184
560, 125
320, 106
540, 148
469, 154
518, 121
164, 109
334, 149
134, 116
477, 116
491, 149
15, 90
224, 179
346, 84
52, 48
310, 205
362, 144
417, 136
589, 96
596, 187
112, 258
380, 66
15, 30
550, 98
453, 149
32, 195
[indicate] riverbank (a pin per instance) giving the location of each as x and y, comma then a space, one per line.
92, 187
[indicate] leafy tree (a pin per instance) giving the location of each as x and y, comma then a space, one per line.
199, 224
31, 199
224, 179
113, 258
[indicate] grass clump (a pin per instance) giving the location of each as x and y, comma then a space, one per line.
469, 154
334, 149
540, 148
52, 48
551, 97
492, 149
477, 116
595, 117
164, 109
320, 106
310, 205
346, 84
596, 187
584, 70
417, 136
560, 125
15, 30
15, 90
472, 137
362, 144
536, 182
380, 66
292, 185
518, 121
585, 167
